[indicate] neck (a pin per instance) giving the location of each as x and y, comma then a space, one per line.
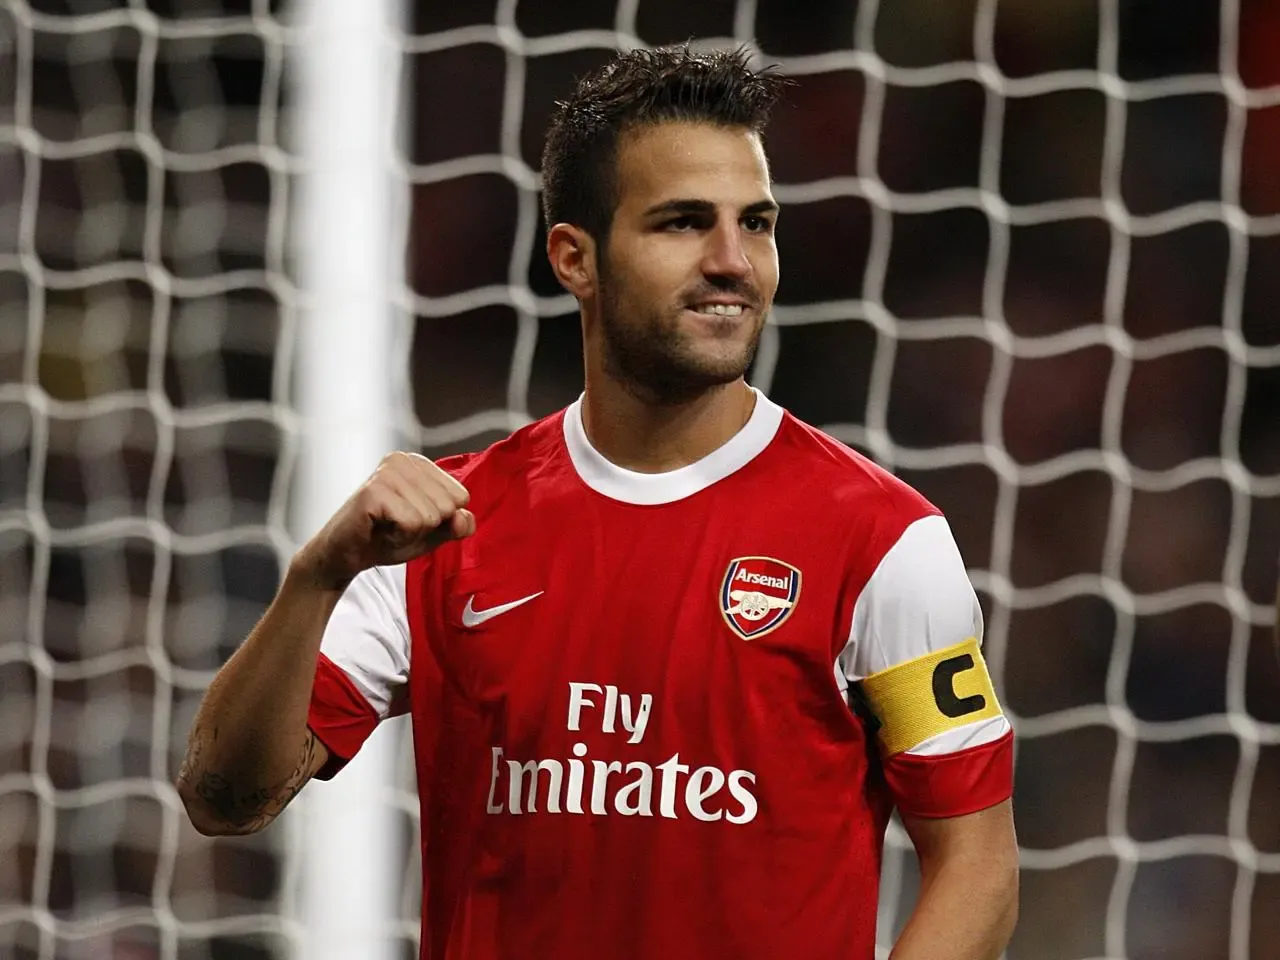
647, 437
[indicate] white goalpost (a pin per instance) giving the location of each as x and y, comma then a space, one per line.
347, 112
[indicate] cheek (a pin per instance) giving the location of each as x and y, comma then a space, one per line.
766, 270
654, 274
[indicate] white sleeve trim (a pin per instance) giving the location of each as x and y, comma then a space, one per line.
962, 738
368, 635
918, 600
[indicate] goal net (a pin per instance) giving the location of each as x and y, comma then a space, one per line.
1031, 256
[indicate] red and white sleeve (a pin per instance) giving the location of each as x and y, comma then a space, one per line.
362, 674
914, 656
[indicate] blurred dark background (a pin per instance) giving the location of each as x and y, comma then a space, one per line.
1047, 301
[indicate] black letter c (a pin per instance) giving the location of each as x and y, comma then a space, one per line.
944, 690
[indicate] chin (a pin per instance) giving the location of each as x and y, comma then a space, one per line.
674, 364
713, 368
728, 345
684, 378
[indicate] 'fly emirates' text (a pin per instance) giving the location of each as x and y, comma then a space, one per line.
576, 784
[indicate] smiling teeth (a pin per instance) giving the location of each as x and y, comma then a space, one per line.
720, 309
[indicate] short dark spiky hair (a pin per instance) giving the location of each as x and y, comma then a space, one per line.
638, 88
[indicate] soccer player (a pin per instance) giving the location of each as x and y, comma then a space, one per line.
672, 657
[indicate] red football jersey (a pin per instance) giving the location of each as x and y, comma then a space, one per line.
669, 715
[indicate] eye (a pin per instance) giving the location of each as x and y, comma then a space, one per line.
679, 224
757, 224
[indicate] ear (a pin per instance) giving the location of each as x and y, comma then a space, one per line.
572, 253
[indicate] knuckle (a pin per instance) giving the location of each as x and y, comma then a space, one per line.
370, 497
378, 500
453, 487
398, 461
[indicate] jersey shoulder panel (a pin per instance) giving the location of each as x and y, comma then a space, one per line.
500, 479
861, 503
531, 454
848, 478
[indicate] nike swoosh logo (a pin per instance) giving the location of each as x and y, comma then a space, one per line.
471, 617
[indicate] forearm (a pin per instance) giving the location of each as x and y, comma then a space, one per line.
966, 911
249, 751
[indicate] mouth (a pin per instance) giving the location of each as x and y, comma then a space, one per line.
718, 309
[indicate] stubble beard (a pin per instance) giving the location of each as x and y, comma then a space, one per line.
648, 353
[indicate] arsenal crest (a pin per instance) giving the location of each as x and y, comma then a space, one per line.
758, 593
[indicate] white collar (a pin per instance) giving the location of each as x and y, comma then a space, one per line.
648, 489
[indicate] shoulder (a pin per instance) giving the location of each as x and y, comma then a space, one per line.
502, 479
849, 474
524, 453
854, 493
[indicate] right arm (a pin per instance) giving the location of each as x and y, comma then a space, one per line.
250, 750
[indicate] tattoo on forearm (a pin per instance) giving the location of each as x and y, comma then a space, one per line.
234, 804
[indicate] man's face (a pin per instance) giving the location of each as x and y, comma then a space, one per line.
691, 266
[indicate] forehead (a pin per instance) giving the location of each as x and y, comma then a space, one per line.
693, 161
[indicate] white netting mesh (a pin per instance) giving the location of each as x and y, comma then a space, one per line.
143, 439
1030, 256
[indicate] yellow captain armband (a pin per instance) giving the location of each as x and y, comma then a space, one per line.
922, 698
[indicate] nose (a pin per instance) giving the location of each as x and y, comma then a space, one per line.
725, 255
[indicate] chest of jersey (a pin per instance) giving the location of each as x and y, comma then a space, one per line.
602, 638
627, 717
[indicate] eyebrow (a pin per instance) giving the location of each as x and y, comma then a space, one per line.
689, 207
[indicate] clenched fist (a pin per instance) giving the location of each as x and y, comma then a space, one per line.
406, 508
